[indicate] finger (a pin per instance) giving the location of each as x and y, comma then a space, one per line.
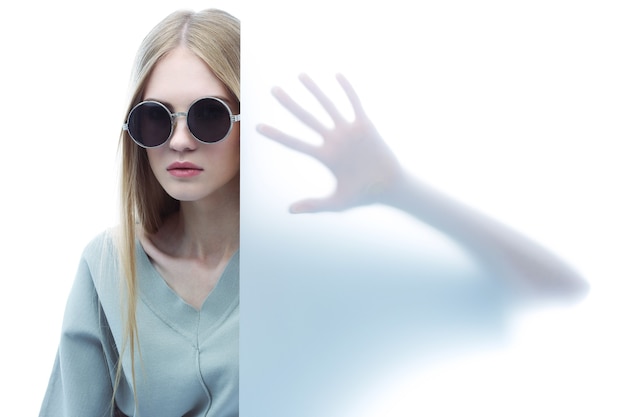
352, 96
286, 140
298, 111
323, 99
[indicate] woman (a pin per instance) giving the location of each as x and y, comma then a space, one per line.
176, 332
163, 340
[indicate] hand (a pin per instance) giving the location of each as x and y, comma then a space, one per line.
363, 165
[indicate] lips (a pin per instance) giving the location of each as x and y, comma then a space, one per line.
184, 169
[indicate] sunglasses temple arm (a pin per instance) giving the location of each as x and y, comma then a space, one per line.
235, 118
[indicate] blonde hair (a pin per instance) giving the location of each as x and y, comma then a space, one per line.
214, 36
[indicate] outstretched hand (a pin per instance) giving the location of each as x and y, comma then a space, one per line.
364, 167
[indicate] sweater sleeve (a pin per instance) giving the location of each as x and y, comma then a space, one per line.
80, 384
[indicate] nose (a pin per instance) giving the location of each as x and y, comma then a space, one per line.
182, 140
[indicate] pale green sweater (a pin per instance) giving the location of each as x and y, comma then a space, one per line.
189, 359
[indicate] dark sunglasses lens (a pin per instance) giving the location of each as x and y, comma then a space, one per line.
150, 124
209, 120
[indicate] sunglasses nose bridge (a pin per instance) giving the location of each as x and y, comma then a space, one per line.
175, 116
176, 141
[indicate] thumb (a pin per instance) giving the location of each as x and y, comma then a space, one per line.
315, 205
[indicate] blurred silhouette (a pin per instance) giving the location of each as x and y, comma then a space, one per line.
333, 317
367, 172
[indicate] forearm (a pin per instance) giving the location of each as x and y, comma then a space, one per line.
528, 267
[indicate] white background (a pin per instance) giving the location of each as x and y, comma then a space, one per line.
514, 107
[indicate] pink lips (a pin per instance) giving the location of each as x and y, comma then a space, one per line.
184, 169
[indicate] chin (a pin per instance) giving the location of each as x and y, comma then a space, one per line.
196, 194
189, 197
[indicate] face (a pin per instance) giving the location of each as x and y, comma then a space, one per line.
186, 168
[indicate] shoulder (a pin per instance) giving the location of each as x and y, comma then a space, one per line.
100, 260
95, 277
103, 245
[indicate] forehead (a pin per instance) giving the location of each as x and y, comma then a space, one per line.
181, 77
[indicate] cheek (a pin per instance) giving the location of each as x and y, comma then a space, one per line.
230, 149
233, 136
154, 156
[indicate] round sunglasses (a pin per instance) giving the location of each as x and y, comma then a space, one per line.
150, 123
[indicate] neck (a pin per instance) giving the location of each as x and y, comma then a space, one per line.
207, 229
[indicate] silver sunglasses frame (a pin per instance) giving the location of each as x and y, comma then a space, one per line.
173, 116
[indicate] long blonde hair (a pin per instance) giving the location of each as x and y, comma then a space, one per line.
214, 36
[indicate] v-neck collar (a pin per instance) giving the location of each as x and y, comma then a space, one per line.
174, 311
